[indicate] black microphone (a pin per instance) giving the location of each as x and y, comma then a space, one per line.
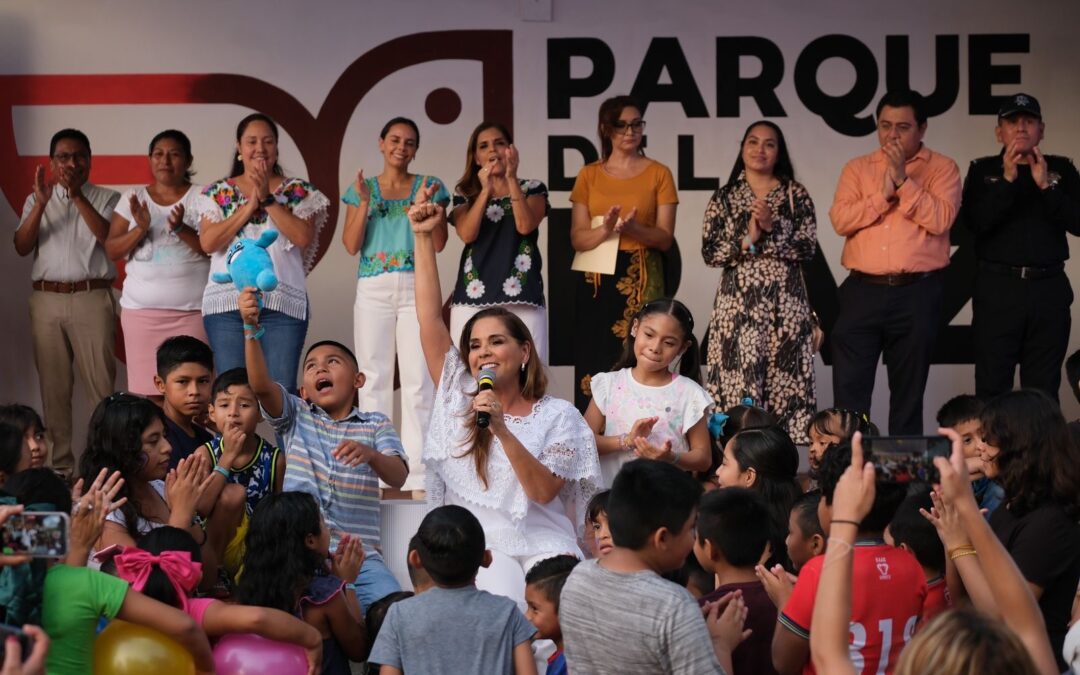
486, 381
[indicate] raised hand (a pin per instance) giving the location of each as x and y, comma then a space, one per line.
106, 483
762, 215
176, 218
249, 306
725, 619
512, 159
185, 484
1039, 172
629, 222
487, 179
778, 583
1009, 159
361, 187
140, 213
611, 219
955, 483
43, 188
895, 161
946, 520
87, 524
662, 452
346, 561
427, 191
425, 217
641, 428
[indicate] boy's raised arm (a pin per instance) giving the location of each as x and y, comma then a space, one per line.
266, 390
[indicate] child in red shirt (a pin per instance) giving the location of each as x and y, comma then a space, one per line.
888, 585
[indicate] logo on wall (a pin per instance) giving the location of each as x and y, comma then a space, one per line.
319, 137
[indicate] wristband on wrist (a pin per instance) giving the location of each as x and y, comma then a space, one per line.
253, 332
223, 471
840, 521
349, 586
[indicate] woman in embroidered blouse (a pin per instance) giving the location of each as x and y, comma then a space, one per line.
155, 228
759, 228
384, 316
255, 197
498, 217
633, 196
529, 474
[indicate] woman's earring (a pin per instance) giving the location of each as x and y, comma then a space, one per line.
523, 367
238, 157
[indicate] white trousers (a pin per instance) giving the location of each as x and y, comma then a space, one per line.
384, 325
535, 318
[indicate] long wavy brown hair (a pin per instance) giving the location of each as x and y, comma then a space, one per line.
469, 185
532, 381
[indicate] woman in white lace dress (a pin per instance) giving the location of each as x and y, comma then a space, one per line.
529, 475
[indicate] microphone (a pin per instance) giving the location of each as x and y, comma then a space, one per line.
486, 380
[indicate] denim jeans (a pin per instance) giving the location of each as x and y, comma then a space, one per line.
374, 582
282, 343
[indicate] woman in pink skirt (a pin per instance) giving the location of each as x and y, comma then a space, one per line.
153, 230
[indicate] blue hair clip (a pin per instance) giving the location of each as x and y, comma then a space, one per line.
716, 424
747, 401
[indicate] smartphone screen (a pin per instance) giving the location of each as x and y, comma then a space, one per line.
907, 459
40, 534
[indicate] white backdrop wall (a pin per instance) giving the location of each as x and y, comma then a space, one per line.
123, 70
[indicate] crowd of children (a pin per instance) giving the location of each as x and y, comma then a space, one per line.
707, 553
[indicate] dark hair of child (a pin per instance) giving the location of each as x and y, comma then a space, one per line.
739, 417
417, 577
156, 542
11, 444
773, 456
181, 349
335, 344
888, 496
278, 564
690, 361
909, 527
549, 576
736, 521
230, 378
22, 416
450, 542
597, 505
701, 581
1038, 462
647, 495
959, 409
806, 517
374, 618
41, 486
842, 423
114, 442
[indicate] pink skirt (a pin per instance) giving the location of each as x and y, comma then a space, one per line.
144, 330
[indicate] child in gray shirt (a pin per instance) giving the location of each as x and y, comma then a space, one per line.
453, 628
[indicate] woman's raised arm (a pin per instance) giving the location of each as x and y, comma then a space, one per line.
435, 337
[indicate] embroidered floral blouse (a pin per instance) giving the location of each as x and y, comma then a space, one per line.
220, 200
502, 266
388, 237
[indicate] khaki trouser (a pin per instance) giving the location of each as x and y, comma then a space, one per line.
72, 327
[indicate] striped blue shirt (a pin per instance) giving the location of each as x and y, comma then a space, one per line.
348, 496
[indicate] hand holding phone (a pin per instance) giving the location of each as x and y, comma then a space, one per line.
38, 534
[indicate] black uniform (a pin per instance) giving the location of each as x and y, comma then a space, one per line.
1022, 295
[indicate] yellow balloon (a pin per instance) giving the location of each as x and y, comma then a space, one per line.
130, 649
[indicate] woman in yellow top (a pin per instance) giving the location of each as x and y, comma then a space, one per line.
634, 196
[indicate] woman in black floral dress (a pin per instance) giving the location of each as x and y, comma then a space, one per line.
498, 216
759, 228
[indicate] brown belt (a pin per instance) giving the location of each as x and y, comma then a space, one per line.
899, 279
72, 286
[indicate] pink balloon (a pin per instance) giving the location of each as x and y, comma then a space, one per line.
249, 654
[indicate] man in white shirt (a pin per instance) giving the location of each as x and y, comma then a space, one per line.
72, 309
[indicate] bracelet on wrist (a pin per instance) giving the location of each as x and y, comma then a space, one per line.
253, 332
961, 554
958, 551
223, 471
841, 521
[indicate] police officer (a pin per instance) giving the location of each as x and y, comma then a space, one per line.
1019, 204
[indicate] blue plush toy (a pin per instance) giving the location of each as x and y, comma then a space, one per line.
249, 264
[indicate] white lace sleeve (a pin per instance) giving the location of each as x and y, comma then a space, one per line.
570, 452
696, 404
451, 400
206, 208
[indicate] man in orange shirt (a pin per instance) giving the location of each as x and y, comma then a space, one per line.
894, 207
